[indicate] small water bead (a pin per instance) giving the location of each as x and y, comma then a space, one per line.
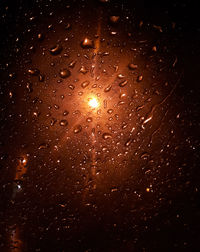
106, 136
83, 70
64, 73
85, 84
55, 50
139, 78
43, 146
63, 123
33, 72
72, 64
128, 142
53, 121
65, 113
132, 66
120, 76
41, 77
110, 111
108, 88
87, 43
72, 87
77, 129
40, 36
89, 119
114, 19
123, 83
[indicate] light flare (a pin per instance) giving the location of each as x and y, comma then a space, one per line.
93, 103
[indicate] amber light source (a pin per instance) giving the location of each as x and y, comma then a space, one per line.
93, 102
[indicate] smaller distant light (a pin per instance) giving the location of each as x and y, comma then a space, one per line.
93, 103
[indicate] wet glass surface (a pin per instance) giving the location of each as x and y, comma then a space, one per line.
99, 146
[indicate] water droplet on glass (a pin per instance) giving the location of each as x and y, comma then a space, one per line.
120, 76
114, 19
41, 77
89, 119
33, 71
108, 88
64, 73
110, 111
140, 78
43, 146
132, 66
72, 64
85, 84
63, 123
106, 136
83, 70
123, 83
65, 113
55, 50
128, 142
87, 43
77, 129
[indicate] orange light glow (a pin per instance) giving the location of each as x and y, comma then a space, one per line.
93, 103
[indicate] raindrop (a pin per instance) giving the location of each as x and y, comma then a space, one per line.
110, 111
68, 26
53, 121
123, 83
120, 76
85, 84
87, 43
64, 73
55, 50
128, 142
132, 66
29, 87
10, 94
140, 78
106, 136
33, 71
108, 88
83, 70
77, 129
123, 95
72, 64
72, 87
145, 156
41, 77
43, 146
65, 113
114, 19
40, 36
89, 119
63, 123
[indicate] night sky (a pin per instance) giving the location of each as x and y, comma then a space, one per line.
100, 129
